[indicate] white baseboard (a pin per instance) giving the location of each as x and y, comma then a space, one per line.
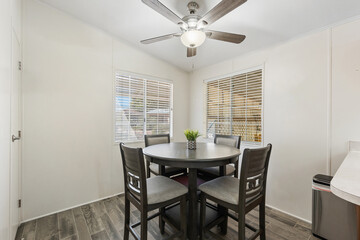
292, 215
79, 205
122, 193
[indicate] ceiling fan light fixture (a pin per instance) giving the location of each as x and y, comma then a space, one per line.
193, 38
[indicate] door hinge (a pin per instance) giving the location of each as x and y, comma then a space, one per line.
20, 65
19, 203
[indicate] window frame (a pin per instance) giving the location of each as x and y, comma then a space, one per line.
243, 71
145, 77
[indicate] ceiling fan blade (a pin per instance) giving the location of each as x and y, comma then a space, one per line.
220, 10
161, 38
191, 52
163, 10
226, 37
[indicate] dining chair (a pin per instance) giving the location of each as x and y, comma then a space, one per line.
240, 195
148, 194
156, 168
230, 169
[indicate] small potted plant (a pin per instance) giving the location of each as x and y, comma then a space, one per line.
191, 136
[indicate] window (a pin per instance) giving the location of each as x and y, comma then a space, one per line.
234, 106
142, 106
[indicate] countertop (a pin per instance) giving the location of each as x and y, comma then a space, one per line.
346, 182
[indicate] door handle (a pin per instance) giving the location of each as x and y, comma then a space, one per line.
14, 138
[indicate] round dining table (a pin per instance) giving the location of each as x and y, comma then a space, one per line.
176, 154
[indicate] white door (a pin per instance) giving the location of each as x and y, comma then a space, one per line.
15, 143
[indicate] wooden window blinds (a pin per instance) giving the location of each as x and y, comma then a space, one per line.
234, 106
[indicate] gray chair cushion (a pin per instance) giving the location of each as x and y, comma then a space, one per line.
155, 168
161, 189
230, 169
223, 188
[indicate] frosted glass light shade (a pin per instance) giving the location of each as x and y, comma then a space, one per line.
193, 38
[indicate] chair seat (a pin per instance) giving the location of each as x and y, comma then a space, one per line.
225, 189
168, 169
230, 169
161, 189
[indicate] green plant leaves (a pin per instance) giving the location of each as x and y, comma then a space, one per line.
191, 135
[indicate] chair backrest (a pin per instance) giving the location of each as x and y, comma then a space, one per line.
134, 172
233, 141
156, 139
253, 174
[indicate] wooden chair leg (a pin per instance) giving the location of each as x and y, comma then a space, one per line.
148, 173
262, 220
161, 220
162, 210
127, 219
223, 225
144, 223
202, 216
241, 226
236, 169
183, 217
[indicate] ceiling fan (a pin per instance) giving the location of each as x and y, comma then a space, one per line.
193, 27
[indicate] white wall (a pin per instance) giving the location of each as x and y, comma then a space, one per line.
69, 157
5, 77
346, 90
303, 118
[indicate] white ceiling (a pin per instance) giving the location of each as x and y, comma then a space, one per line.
264, 22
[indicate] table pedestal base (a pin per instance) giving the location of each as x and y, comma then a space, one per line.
193, 205
174, 216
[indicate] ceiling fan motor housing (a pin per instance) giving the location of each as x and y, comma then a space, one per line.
191, 21
193, 7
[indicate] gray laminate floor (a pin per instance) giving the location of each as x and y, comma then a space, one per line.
104, 220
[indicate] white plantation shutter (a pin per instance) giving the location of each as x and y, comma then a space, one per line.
142, 106
234, 106
158, 107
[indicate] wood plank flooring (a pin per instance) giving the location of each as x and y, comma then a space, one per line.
104, 220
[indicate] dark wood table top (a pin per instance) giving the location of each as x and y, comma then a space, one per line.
176, 154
